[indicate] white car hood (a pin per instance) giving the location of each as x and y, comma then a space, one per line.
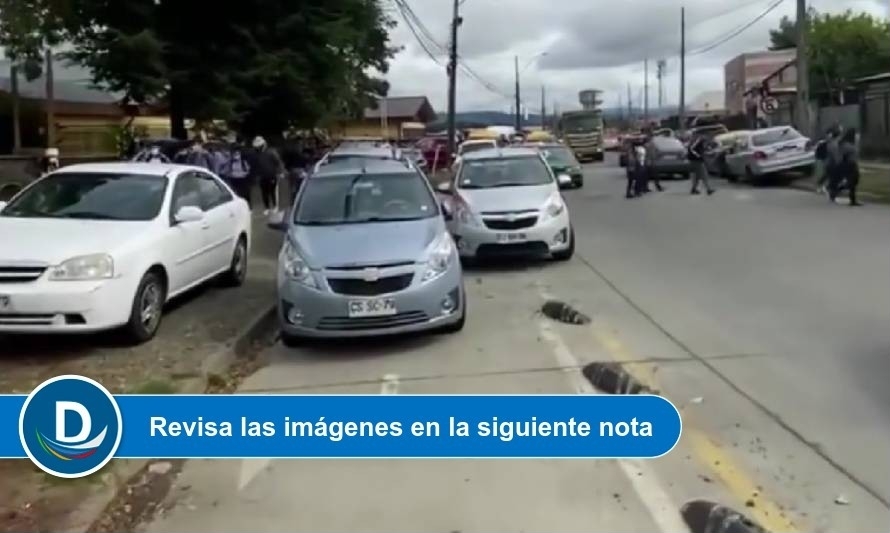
55, 240
507, 199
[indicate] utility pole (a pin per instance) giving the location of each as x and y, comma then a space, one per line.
683, 69
50, 101
630, 104
518, 109
662, 66
803, 70
543, 107
16, 109
452, 79
646, 91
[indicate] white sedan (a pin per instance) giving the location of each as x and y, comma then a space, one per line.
104, 246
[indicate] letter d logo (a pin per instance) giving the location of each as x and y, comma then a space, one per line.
70, 426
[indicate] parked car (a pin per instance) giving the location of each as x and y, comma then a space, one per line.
709, 131
719, 148
473, 145
666, 156
367, 253
96, 247
562, 161
508, 202
435, 151
351, 152
769, 151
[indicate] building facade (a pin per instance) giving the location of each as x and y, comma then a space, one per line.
746, 71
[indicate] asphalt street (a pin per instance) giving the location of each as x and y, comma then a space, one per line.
761, 313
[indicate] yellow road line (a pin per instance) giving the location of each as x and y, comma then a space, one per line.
707, 450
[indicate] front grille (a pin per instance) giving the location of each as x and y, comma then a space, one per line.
513, 249
20, 274
370, 323
501, 224
360, 287
26, 320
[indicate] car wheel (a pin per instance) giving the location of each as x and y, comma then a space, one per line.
459, 325
579, 184
292, 341
567, 254
147, 309
237, 273
685, 175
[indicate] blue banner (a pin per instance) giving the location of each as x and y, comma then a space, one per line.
331, 426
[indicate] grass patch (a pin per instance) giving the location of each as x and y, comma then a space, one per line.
874, 185
155, 386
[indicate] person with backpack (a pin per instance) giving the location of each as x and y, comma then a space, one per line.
695, 152
848, 166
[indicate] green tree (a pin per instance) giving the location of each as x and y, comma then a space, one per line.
262, 66
842, 47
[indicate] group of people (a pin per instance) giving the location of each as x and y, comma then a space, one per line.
837, 163
243, 167
639, 174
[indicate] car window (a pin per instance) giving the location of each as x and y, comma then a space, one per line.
559, 155
364, 198
186, 193
504, 172
213, 193
776, 136
91, 196
476, 147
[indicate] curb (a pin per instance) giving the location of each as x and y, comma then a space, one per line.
125, 471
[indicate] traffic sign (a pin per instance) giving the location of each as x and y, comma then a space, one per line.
769, 105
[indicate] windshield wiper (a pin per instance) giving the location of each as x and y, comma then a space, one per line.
320, 222
514, 184
385, 219
88, 215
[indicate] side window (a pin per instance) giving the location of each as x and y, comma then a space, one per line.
213, 193
186, 193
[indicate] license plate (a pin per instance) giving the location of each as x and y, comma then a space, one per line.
511, 237
369, 308
5, 302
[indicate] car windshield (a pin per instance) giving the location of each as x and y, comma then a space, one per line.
504, 172
476, 147
582, 123
92, 196
776, 136
560, 156
341, 158
355, 199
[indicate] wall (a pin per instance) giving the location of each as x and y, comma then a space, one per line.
875, 119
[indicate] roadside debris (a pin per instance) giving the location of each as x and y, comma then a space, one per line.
708, 517
842, 500
565, 313
611, 378
697, 400
159, 469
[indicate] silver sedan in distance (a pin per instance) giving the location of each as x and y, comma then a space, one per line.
367, 253
507, 202
769, 151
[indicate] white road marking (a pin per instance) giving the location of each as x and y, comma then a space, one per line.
250, 469
662, 508
390, 384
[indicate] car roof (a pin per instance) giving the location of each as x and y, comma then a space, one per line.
367, 166
129, 167
364, 151
502, 153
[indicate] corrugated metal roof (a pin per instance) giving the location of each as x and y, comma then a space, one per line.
404, 107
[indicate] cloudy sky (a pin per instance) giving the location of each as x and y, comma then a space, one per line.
598, 44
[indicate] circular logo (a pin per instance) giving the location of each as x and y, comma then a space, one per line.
769, 105
70, 426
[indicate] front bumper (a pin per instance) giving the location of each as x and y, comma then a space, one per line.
796, 162
325, 314
44, 306
550, 236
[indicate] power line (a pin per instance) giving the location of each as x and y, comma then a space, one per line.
416, 32
739, 30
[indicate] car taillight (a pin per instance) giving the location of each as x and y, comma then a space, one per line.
760, 155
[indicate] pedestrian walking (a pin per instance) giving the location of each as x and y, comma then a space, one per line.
849, 163
198, 156
636, 171
833, 163
237, 174
219, 159
695, 152
269, 170
821, 166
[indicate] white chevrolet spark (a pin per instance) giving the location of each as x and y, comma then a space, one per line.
104, 246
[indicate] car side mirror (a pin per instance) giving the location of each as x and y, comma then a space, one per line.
444, 188
2, 205
188, 213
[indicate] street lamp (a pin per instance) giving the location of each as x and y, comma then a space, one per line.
518, 120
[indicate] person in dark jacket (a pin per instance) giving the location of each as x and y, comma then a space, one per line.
198, 156
269, 170
696, 154
847, 168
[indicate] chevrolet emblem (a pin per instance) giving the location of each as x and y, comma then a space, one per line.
511, 217
371, 274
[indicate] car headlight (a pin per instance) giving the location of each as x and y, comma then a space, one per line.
555, 206
466, 217
440, 258
84, 268
295, 266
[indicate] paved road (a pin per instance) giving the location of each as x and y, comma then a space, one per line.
761, 313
